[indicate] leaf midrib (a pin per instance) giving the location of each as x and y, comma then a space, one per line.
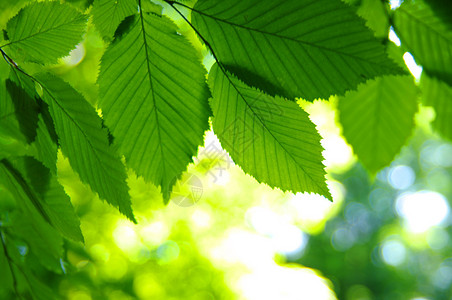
41, 32
88, 140
285, 38
148, 64
428, 26
269, 131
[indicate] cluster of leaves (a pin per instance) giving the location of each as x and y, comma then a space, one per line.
155, 102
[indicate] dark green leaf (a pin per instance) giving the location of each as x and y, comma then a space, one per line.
18, 113
85, 142
305, 48
54, 201
6, 288
30, 222
46, 148
427, 38
45, 142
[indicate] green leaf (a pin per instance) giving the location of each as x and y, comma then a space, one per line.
428, 38
46, 148
44, 31
375, 12
299, 48
45, 141
108, 14
442, 9
55, 203
11, 147
378, 118
18, 113
37, 288
153, 96
30, 221
22, 282
272, 139
85, 142
7, 202
6, 288
438, 94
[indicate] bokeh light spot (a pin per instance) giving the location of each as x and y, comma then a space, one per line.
395, 3
125, 237
342, 239
422, 210
167, 252
401, 177
393, 252
438, 238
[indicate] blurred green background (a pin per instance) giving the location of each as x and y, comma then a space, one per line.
225, 236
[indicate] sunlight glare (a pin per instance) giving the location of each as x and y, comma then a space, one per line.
395, 4
422, 210
337, 152
125, 237
412, 66
284, 283
154, 233
393, 37
310, 207
201, 218
240, 246
286, 238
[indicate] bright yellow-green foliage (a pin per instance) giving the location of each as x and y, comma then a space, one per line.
378, 118
210, 104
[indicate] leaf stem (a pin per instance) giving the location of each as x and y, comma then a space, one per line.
8, 59
222, 68
14, 65
220, 65
172, 3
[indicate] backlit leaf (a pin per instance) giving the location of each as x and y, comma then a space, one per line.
272, 139
154, 99
438, 94
44, 31
299, 48
427, 37
54, 201
30, 221
108, 14
85, 142
378, 118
